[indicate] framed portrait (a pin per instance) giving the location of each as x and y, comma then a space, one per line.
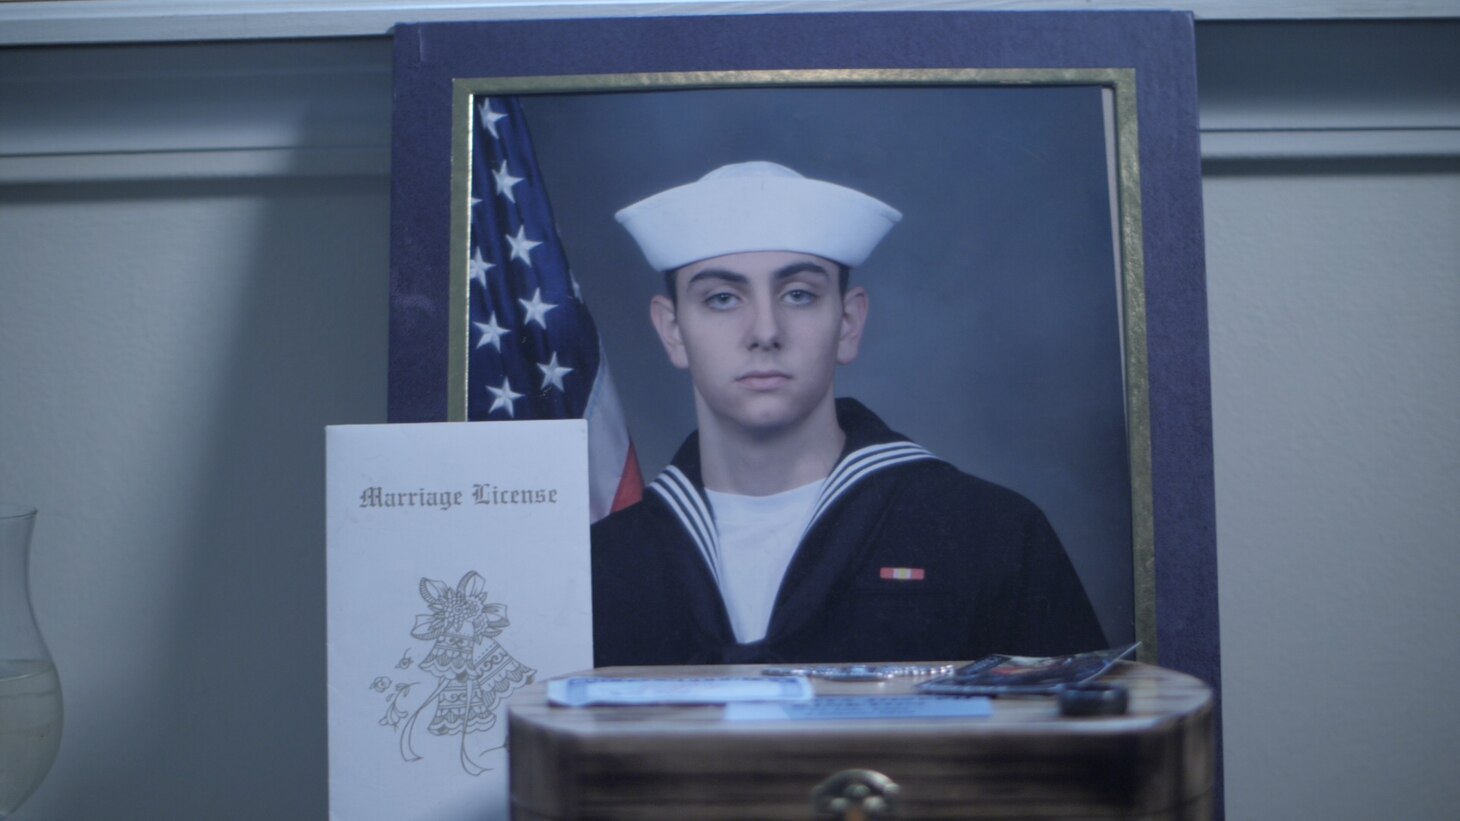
1037, 317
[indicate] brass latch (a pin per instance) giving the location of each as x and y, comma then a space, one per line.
856, 795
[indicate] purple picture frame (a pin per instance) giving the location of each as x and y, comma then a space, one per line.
1157, 46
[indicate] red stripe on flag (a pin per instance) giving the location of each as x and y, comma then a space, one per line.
631, 484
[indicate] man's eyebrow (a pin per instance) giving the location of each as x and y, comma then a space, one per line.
721, 274
784, 272
802, 267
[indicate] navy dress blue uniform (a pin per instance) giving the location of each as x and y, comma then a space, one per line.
906, 558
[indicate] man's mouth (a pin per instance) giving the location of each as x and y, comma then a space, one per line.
763, 380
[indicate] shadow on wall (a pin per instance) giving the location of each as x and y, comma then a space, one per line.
233, 725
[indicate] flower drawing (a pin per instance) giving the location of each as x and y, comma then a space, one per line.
463, 610
474, 674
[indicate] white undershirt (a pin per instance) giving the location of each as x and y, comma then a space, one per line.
758, 535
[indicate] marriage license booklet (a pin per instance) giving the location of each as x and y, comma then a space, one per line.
457, 574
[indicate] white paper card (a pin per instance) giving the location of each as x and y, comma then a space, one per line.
458, 572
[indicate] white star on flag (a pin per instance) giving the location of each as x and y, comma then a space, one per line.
536, 309
490, 118
491, 333
504, 397
553, 373
521, 244
479, 268
505, 181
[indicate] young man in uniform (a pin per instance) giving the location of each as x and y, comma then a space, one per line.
793, 526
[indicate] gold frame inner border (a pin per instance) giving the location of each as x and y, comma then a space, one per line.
1121, 82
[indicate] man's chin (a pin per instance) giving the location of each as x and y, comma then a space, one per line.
765, 416
771, 421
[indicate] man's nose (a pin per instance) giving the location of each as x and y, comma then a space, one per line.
765, 328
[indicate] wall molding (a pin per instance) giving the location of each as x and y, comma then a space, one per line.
312, 108
303, 161
1223, 145
135, 21
186, 164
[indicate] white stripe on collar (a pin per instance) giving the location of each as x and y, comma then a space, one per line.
860, 464
688, 503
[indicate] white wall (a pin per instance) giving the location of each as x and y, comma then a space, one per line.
172, 342
1332, 196
1336, 385
192, 283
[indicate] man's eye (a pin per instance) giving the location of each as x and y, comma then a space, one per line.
721, 300
799, 296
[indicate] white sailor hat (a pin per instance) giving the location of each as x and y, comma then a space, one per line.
757, 206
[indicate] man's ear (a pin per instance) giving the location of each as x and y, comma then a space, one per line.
666, 322
854, 321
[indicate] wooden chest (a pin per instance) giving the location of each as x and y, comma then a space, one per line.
1026, 761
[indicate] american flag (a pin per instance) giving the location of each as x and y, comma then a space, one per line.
535, 352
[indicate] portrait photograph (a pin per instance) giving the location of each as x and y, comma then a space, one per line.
994, 335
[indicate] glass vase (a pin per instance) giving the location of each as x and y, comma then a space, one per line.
30, 692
